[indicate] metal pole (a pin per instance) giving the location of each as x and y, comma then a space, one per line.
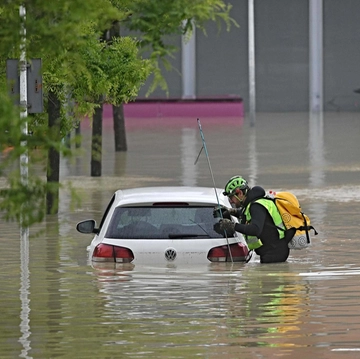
188, 65
316, 55
24, 232
251, 49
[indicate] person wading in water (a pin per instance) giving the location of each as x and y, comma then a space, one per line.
258, 219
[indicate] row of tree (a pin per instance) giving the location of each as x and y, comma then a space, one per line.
85, 63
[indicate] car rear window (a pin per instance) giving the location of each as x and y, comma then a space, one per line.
162, 222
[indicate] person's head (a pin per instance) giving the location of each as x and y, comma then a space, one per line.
236, 189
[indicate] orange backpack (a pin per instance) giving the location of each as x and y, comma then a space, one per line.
293, 218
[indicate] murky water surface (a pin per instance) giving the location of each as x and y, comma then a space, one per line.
56, 305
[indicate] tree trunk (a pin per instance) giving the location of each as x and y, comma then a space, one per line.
77, 135
53, 166
118, 111
96, 146
119, 128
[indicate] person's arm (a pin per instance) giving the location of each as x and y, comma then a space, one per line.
258, 215
227, 212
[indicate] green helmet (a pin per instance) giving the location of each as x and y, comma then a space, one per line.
234, 183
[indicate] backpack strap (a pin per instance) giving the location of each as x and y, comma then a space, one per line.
305, 228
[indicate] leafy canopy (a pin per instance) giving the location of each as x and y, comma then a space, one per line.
80, 68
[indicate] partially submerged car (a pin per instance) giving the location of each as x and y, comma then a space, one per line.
162, 225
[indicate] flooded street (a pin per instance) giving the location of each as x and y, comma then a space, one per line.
54, 304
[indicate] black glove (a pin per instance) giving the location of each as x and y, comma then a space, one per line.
225, 226
224, 212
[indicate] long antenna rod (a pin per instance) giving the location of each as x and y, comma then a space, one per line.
208, 159
212, 176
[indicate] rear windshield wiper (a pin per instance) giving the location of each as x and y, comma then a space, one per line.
186, 235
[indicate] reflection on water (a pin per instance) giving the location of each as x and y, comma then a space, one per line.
54, 304
24, 296
189, 146
253, 161
316, 149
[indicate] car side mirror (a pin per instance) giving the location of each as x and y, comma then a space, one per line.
87, 226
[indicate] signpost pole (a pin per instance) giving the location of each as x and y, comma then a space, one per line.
24, 230
24, 159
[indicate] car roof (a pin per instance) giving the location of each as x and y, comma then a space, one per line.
189, 194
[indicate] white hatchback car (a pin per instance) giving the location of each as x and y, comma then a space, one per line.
162, 225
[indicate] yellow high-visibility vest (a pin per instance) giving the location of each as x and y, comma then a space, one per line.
254, 242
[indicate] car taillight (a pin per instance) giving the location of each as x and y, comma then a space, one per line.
221, 254
108, 253
123, 255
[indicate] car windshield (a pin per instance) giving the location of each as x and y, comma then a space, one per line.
162, 222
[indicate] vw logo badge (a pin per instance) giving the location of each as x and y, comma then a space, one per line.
170, 254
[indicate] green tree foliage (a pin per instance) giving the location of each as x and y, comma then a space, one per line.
79, 68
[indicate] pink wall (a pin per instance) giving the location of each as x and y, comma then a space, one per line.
194, 109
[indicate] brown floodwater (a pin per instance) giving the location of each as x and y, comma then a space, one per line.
54, 304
